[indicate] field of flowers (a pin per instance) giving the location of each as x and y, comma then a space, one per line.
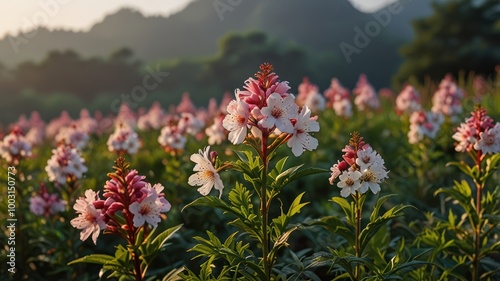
270, 183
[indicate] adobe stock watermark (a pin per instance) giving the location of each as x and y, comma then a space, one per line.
150, 82
223, 6
371, 29
48, 9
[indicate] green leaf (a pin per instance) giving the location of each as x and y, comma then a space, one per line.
97, 259
335, 226
159, 240
378, 205
463, 167
348, 209
373, 226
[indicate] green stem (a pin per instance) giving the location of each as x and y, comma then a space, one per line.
358, 231
478, 226
478, 233
264, 211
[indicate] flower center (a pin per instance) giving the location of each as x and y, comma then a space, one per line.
349, 182
145, 209
208, 174
368, 176
277, 112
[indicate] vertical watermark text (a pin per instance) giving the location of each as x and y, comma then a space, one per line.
11, 220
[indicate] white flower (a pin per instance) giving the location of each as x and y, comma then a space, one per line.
236, 121
343, 108
278, 112
190, 124
65, 162
300, 139
172, 137
368, 157
148, 210
216, 133
206, 176
371, 177
349, 182
72, 135
123, 139
315, 101
489, 141
15, 146
90, 219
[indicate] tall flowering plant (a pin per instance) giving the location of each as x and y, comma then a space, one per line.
476, 233
264, 116
131, 209
359, 173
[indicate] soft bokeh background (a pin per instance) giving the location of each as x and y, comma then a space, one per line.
66, 55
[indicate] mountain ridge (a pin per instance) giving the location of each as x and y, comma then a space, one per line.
155, 38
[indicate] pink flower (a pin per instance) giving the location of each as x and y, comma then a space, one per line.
15, 146
53, 127
339, 99
366, 97
300, 139
186, 105
466, 137
424, 124
73, 136
479, 133
149, 208
65, 164
206, 176
86, 123
337, 169
447, 99
489, 141
124, 139
90, 219
408, 101
46, 204
216, 133
236, 121
306, 88
151, 120
171, 137
190, 124
315, 101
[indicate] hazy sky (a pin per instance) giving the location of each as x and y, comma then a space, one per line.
81, 15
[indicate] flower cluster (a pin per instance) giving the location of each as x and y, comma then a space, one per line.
447, 99
366, 97
153, 119
74, 136
123, 140
424, 124
408, 101
15, 146
65, 165
46, 204
339, 99
129, 204
265, 107
216, 133
362, 168
478, 133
